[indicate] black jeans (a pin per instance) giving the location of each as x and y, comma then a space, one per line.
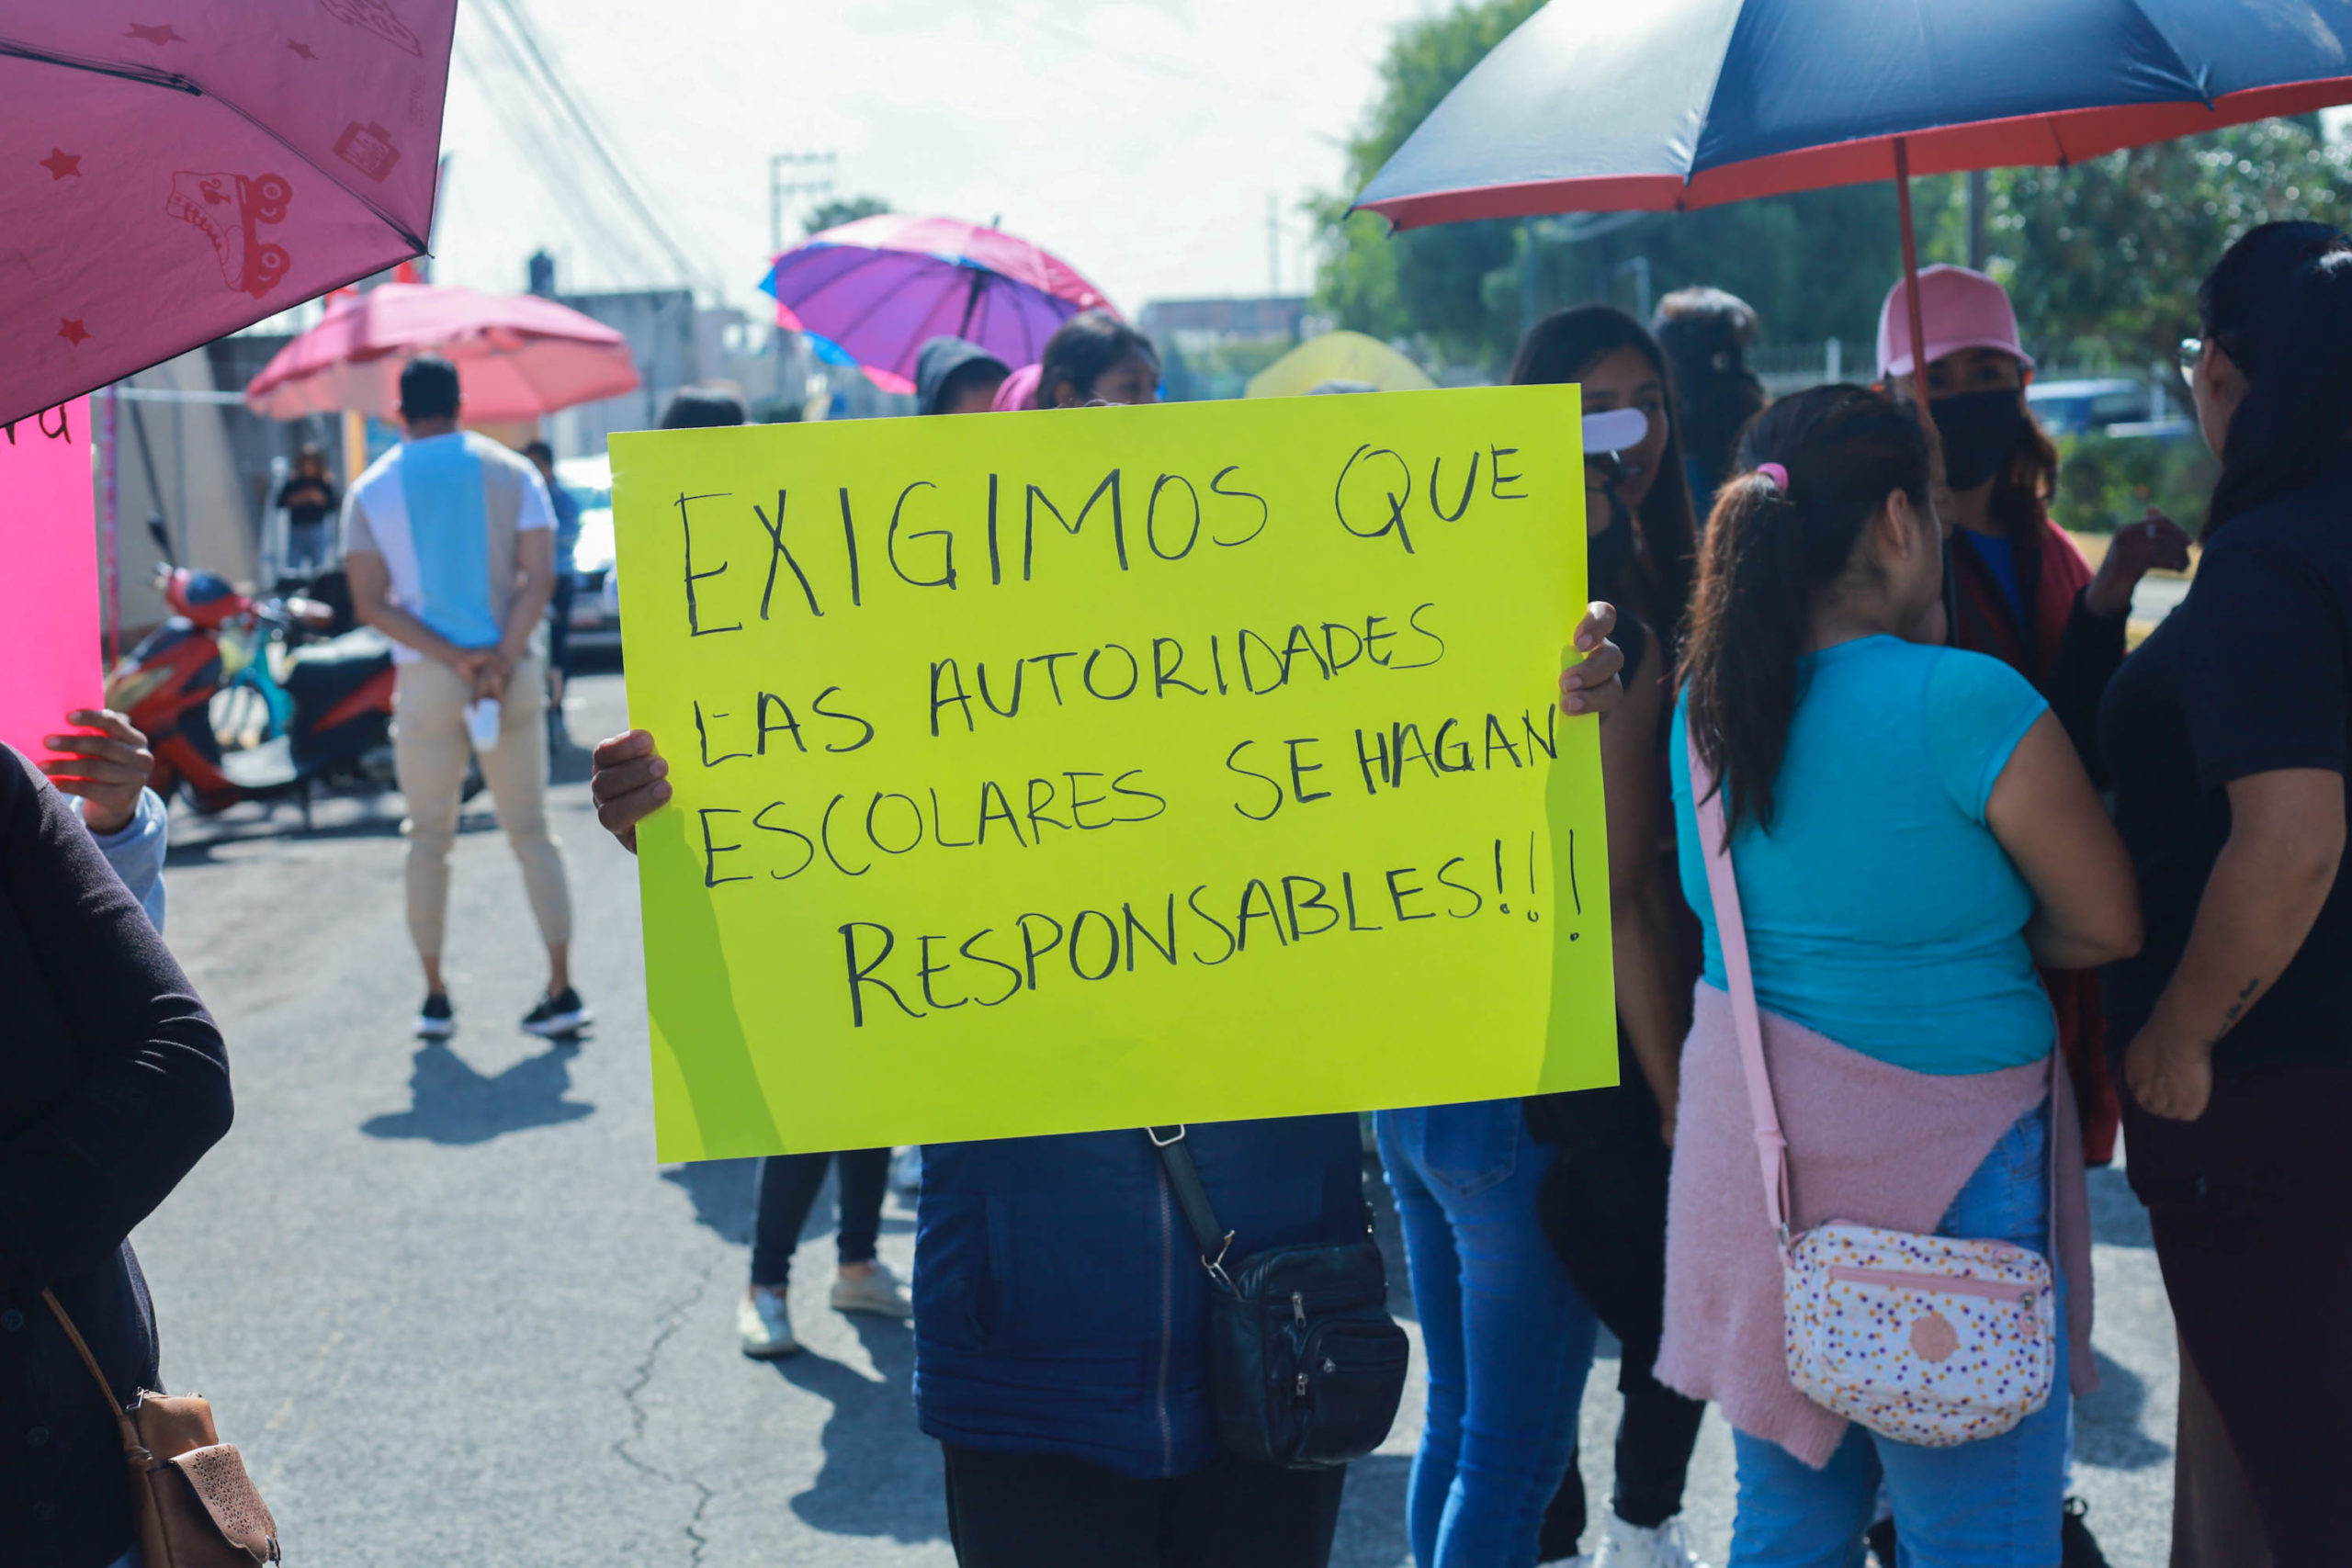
1603, 1204
788, 1188
1024, 1510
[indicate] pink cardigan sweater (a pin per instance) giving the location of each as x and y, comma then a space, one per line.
1869, 1143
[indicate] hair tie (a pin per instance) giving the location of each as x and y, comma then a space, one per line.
1774, 475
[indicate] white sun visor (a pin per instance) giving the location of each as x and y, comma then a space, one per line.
1614, 430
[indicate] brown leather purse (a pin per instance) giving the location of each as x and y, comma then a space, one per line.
190, 1497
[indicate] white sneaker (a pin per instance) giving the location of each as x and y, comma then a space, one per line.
1630, 1546
764, 1325
876, 1292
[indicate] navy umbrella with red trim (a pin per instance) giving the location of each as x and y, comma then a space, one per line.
1604, 106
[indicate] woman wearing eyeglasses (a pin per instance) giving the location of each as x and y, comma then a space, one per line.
2229, 734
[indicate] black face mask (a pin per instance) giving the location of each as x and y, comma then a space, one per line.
1979, 430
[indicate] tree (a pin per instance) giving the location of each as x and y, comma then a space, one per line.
1815, 264
843, 210
2104, 259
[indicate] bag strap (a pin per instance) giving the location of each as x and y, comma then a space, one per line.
130, 1443
1193, 1198
1731, 934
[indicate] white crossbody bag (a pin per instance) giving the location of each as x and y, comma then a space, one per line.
1924, 1339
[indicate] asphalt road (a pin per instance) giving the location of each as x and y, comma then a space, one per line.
452, 1310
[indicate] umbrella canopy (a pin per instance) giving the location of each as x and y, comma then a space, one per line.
1596, 106
881, 288
517, 356
177, 172
1339, 356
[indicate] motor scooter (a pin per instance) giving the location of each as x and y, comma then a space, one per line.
244, 698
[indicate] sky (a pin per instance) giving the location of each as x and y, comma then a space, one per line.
1139, 140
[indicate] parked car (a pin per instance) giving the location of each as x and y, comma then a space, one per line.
2069, 408
596, 598
2167, 430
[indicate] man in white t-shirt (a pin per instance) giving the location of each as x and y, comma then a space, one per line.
449, 543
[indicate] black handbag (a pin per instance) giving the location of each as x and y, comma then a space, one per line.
1306, 1366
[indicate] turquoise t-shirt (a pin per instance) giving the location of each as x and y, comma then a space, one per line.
1880, 910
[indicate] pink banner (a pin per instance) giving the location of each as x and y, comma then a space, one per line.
48, 576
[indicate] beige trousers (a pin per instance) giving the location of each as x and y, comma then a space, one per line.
429, 750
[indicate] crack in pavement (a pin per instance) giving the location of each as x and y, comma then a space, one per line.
671, 1320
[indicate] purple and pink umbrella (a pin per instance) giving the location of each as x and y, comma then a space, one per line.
172, 172
878, 289
517, 356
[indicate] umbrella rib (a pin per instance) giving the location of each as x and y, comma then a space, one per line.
151, 78
1699, 127
2179, 60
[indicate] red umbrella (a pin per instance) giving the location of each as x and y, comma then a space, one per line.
173, 171
518, 356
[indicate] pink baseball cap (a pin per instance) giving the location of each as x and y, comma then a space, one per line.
1958, 310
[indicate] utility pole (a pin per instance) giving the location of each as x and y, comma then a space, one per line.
1640, 267
779, 187
1273, 244
1526, 275
1976, 197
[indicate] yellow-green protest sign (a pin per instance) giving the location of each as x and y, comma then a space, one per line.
1053, 772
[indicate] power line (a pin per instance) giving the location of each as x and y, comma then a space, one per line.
574, 197
568, 177
621, 182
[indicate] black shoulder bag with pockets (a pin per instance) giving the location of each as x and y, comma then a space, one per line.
1306, 1366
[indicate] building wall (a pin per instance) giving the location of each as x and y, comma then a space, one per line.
176, 460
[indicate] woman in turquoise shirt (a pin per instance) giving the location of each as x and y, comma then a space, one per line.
1911, 830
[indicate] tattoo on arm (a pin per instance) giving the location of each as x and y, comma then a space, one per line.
2237, 1008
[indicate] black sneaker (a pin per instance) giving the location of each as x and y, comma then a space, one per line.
2078, 1547
1881, 1536
561, 1013
436, 1019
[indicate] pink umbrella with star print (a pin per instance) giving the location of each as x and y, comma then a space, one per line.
171, 173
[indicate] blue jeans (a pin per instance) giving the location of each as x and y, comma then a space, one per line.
1506, 1338
1994, 1504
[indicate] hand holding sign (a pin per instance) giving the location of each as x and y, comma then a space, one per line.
1160, 764
107, 768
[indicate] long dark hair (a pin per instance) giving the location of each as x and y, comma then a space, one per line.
2280, 303
1769, 554
1082, 348
1705, 333
1562, 347
2026, 480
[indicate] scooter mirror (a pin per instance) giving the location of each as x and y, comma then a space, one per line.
163, 540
